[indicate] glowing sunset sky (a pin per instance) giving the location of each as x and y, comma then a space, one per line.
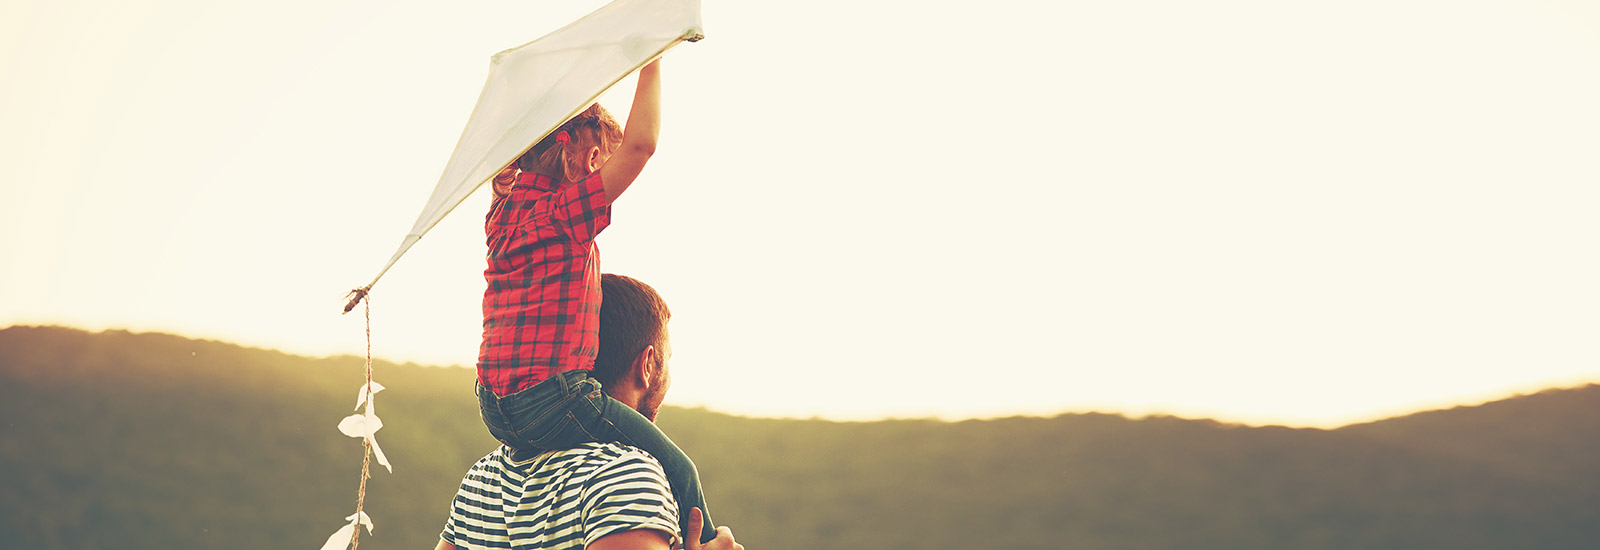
1263, 212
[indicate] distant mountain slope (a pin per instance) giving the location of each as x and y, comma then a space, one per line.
1531, 436
118, 440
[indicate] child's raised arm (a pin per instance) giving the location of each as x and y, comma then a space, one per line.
638, 137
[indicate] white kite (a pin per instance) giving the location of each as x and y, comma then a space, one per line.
535, 87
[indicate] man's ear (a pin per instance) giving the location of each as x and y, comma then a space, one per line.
643, 370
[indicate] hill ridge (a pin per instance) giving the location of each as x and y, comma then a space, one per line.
119, 440
386, 363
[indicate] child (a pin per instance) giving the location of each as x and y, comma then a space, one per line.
542, 304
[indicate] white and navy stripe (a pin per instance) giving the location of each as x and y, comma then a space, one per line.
560, 499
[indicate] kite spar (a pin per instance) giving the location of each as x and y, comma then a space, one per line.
535, 87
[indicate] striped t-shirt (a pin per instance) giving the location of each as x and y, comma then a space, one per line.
560, 499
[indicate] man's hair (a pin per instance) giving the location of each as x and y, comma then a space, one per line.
632, 317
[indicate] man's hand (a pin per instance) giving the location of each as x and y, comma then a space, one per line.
724, 540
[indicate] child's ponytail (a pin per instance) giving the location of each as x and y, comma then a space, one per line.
563, 154
555, 154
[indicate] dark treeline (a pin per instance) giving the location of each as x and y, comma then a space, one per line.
119, 440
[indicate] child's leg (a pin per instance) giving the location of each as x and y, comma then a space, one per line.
611, 420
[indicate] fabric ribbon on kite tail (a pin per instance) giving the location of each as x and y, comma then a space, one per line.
535, 87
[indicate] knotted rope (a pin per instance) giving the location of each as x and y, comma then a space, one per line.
366, 444
355, 297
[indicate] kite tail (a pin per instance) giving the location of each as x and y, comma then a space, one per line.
366, 452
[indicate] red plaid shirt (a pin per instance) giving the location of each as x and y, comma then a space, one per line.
541, 310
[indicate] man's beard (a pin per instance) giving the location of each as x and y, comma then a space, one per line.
650, 402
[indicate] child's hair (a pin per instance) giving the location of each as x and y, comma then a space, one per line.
567, 162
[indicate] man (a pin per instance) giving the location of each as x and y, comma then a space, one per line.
600, 496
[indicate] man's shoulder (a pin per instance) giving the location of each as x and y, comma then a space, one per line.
564, 499
583, 453
586, 460
617, 487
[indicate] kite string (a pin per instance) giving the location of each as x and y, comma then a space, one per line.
366, 442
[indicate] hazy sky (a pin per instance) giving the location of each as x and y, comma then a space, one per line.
1261, 211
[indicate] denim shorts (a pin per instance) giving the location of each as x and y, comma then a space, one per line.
544, 417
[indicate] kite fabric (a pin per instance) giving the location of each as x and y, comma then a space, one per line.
535, 87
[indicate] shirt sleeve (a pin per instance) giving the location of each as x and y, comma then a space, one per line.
580, 210
629, 493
